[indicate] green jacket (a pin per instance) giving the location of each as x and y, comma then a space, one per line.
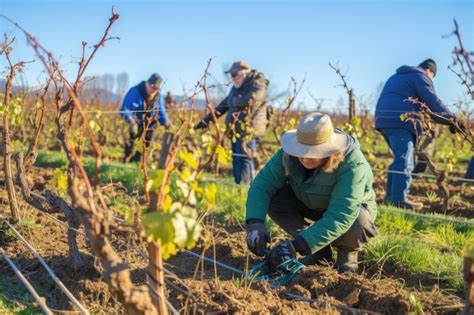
338, 195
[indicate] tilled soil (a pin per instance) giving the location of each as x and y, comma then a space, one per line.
213, 289
461, 202
329, 292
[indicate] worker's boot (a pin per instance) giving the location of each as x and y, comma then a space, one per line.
321, 257
347, 260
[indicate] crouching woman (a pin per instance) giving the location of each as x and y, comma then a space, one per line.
317, 188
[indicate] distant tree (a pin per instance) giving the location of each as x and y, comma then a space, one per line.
121, 82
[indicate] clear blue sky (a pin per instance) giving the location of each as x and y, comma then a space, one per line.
280, 38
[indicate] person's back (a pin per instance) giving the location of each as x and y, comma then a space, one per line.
255, 82
393, 101
401, 134
142, 108
246, 118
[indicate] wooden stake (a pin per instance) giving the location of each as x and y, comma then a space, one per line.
156, 278
155, 263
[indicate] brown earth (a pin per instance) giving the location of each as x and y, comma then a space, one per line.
214, 290
461, 202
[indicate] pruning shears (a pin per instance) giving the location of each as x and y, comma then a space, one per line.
282, 275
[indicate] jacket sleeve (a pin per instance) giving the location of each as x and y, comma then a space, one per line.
257, 93
425, 90
265, 185
220, 109
126, 110
160, 111
343, 209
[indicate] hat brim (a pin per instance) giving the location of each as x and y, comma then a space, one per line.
291, 146
232, 70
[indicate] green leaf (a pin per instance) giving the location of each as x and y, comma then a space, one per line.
189, 159
159, 227
355, 121
223, 156
185, 175
60, 180
155, 178
187, 227
94, 126
138, 145
128, 213
178, 228
449, 167
167, 203
210, 195
187, 191
155, 147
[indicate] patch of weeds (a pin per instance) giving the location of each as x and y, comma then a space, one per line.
416, 256
129, 175
51, 159
29, 223
14, 298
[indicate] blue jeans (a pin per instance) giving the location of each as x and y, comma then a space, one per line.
243, 167
402, 144
470, 170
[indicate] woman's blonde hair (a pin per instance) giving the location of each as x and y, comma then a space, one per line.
333, 162
329, 166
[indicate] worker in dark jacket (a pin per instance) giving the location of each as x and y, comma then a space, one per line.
470, 170
246, 118
321, 175
401, 135
142, 107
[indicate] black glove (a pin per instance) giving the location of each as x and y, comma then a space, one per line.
133, 129
257, 238
281, 253
461, 127
201, 125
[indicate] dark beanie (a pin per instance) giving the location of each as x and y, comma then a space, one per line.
155, 78
429, 64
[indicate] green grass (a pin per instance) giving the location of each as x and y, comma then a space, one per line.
421, 245
417, 257
19, 304
28, 223
128, 174
230, 200
112, 152
52, 159
443, 234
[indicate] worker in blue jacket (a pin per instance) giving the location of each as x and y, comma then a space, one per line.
142, 108
401, 135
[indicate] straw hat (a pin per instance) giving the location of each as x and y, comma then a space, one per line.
315, 137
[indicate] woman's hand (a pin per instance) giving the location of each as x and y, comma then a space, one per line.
257, 238
280, 254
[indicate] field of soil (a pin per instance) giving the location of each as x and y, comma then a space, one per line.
206, 288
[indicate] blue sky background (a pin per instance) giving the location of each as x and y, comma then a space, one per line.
280, 38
